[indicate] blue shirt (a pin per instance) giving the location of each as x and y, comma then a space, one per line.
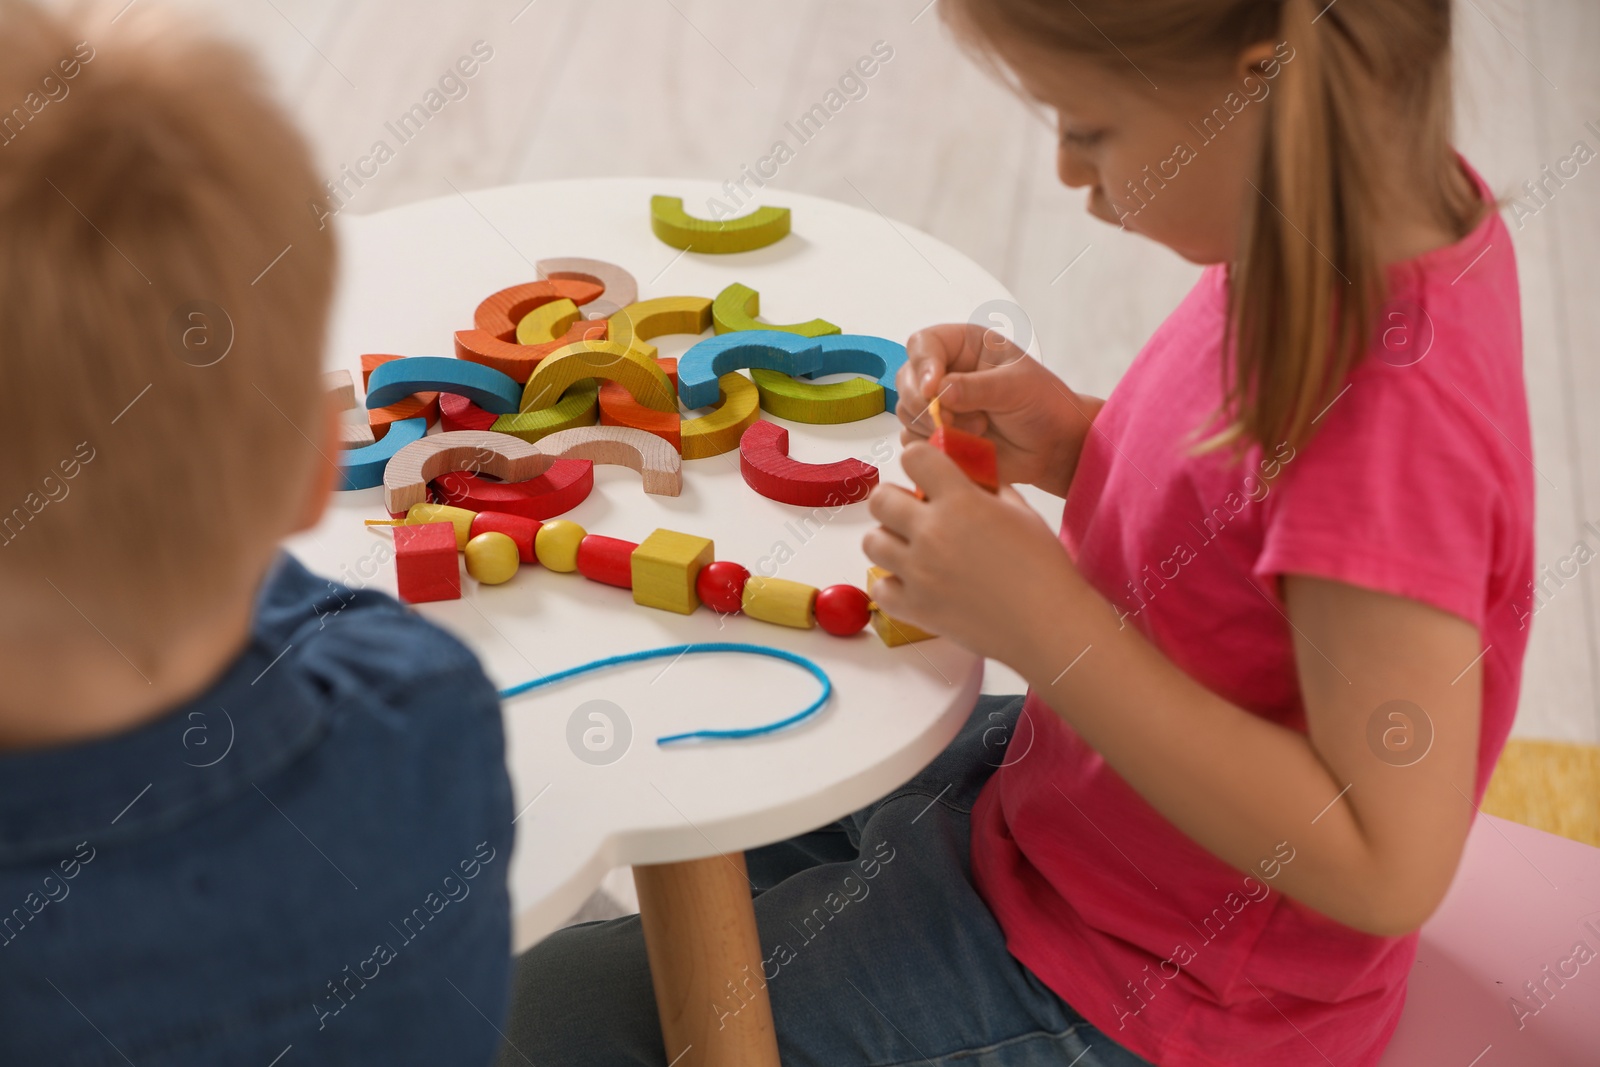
313, 853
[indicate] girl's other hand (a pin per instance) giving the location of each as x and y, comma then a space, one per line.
988, 386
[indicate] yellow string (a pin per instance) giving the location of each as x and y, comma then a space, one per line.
933, 411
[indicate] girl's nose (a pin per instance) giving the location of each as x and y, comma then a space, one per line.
1073, 170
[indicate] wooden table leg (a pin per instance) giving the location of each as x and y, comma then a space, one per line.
705, 962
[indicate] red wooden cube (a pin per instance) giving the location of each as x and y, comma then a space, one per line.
425, 563
973, 454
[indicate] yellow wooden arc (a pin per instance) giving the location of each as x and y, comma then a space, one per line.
644, 380
737, 306
634, 325
676, 227
719, 430
798, 400
547, 322
579, 407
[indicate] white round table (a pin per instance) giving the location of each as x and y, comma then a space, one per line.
681, 814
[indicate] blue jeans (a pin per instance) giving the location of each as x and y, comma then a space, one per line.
877, 950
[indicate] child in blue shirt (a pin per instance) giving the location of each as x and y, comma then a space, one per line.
246, 815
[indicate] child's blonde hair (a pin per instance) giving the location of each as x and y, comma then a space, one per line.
1307, 282
163, 300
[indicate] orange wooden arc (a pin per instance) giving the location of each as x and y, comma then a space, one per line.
519, 361
500, 312
619, 408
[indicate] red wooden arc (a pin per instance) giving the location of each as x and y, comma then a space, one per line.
558, 490
764, 461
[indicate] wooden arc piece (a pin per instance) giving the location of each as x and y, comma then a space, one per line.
799, 400
484, 386
364, 468
719, 430
419, 406
856, 353
340, 388
500, 311
657, 462
579, 406
636, 324
619, 287
547, 322
736, 308
700, 368
619, 408
517, 361
558, 490
764, 461
607, 360
676, 227
511, 459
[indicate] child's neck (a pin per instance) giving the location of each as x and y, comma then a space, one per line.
63, 688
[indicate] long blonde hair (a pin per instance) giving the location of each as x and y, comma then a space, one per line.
1307, 283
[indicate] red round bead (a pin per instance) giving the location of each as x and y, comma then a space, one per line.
842, 610
720, 585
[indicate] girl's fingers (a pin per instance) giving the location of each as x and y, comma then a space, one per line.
896, 508
885, 549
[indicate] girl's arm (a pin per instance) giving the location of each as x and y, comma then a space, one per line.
1376, 844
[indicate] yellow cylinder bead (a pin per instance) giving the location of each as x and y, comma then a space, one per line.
461, 518
779, 600
492, 558
556, 544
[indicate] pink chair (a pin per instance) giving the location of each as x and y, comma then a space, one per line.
1522, 902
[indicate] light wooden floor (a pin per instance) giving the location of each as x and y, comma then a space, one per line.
700, 88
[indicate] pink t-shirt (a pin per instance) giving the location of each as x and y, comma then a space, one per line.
1418, 483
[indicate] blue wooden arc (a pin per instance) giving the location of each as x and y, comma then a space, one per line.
494, 392
362, 468
875, 357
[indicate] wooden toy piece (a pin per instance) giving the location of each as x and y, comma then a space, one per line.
700, 368
638, 374
580, 406
364, 468
492, 558
720, 585
660, 467
666, 566
607, 560
892, 631
456, 412
637, 323
676, 227
547, 322
342, 386
405, 480
420, 514
484, 386
619, 408
764, 461
557, 543
522, 531
618, 285
517, 361
857, 353
558, 490
975, 455
420, 406
425, 562
500, 312
843, 610
719, 430
798, 400
736, 308
780, 601
356, 435
600, 309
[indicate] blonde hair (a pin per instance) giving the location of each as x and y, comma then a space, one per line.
165, 297
1307, 283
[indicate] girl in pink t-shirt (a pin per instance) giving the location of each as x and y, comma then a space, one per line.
1273, 669
1274, 652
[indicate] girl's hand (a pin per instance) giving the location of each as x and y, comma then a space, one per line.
986, 385
968, 565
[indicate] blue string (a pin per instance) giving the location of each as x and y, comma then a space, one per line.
709, 646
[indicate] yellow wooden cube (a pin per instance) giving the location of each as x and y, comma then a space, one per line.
893, 632
665, 566
779, 600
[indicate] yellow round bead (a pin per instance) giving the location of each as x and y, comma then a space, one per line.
492, 558
461, 518
556, 544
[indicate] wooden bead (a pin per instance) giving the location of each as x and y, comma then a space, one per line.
557, 543
492, 558
843, 610
425, 563
676, 227
460, 518
666, 567
521, 530
892, 631
780, 601
606, 559
557, 491
721, 585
